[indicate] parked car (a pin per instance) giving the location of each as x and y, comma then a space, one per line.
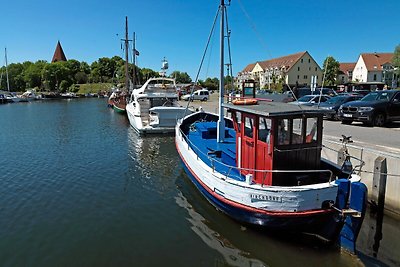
311, 99
303, 91
202, 95
332, 105
376, 108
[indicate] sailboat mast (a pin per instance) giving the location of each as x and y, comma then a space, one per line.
126, 55
134, 60
221, 121
8, 82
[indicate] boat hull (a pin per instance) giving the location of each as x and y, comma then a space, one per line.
307, 213
164, 120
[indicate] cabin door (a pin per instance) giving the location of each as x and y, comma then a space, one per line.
264, 152
248, 143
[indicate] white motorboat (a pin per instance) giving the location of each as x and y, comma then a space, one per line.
29, 95
154, 107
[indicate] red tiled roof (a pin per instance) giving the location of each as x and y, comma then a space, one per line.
346, 67
287, 61
58, 54
249, 67
374, 61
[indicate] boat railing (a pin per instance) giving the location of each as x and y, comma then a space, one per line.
239, 170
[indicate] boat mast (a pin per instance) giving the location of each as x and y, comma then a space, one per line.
221, 121
126, 55
8, 82
134, 60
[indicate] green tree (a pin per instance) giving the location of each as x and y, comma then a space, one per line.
331, 70
16, 77
33, 74
148, 73
53, 74
181, 77
211, 83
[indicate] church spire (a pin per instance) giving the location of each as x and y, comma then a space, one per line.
58, 54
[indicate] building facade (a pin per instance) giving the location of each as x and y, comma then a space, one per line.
375, 68
345, 73
293, 70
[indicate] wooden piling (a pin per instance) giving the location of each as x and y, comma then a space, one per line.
379, 183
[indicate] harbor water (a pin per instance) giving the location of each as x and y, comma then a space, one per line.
78, 187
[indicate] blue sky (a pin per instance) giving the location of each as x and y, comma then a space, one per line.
178, 30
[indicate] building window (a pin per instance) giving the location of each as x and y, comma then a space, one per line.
309, 68
301, 60
305, 77
298, 68
309, 60
374, 77
298, 77
315, 68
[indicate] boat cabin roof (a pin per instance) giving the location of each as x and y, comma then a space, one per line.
275, 109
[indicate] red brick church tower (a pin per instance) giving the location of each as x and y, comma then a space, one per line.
58, 54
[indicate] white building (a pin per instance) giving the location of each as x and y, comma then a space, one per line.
375, 68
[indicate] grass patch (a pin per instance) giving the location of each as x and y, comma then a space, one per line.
92, 87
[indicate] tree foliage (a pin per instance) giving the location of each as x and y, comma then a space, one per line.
62, 76
181, 77
211, 84
330, 70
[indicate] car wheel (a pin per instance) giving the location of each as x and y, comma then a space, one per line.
379, 119
204, 99
347, 121
335, 117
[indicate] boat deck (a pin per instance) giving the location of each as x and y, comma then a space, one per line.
221, 156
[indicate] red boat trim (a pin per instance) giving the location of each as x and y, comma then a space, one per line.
251, 209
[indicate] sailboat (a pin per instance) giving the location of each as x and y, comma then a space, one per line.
117, 99
262, 166
8, 97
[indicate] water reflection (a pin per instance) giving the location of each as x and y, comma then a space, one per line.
232, 255
249, 245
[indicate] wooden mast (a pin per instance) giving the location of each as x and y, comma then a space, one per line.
126, 55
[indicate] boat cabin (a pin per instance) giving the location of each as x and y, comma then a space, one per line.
281, 137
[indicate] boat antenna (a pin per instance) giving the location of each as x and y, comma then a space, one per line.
221, 120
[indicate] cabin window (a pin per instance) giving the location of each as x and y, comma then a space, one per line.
264, 127
311, 130
297, 133
283, 132
248, 127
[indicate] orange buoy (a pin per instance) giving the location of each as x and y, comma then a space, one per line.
245, 101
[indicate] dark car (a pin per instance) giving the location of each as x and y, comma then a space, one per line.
376, 108
333, 104
307, 91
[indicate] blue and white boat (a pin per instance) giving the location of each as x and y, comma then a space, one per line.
262, 166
